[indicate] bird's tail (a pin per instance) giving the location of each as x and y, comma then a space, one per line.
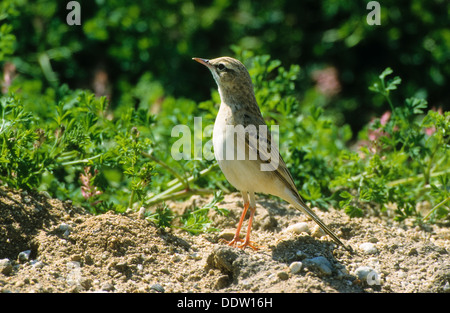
301, 206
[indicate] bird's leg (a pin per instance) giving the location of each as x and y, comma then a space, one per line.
236, 238
247, 241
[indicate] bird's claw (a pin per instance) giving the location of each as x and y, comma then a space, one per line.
246, 243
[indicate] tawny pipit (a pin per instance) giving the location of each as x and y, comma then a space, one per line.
239, 107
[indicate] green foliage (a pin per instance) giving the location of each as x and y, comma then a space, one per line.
197, 221
110, 149
403, 158
163, 216
128, 153
7, 38
129, 40
55, 150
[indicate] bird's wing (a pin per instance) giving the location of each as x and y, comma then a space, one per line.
282, 173
269, 153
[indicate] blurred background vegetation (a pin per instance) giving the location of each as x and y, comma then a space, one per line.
138, 55
118, 42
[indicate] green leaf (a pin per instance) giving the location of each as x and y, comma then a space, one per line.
392, 84
345, 195
353, 211
385, 73
162, 216
415, 105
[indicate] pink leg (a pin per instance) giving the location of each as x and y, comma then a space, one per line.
236, 238
247, 241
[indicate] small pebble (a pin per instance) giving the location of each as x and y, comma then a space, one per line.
65, 229
37, 264
157, 287
295, 267
446, 287
195, 256
76, 257
222, 282
86, 283
228, 234
368, 274
45, 194
24, 256
363, 271
300, 254
368, 248
283, 275
299, 228
246, 284
107, 287
412, 251
321, 263
5, 266
401, 274
141, 213
317, 232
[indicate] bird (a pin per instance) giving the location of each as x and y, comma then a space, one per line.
259, 168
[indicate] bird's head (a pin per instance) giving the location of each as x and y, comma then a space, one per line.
229, 74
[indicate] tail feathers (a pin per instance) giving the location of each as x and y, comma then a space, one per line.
300, 205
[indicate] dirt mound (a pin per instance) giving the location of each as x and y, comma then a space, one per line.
50, 246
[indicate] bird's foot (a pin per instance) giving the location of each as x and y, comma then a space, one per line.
248, 244
233, 243
245, 243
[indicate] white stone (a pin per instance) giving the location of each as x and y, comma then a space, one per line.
368, 248
299, 228
295, 267
363, 271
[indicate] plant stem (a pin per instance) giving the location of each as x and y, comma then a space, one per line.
436, 207
430, 163
130, 202
390, 103
178, 176
82, 161
414, 178
173, 192
386, 94
180, 194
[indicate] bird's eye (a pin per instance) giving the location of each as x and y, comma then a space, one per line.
221, 67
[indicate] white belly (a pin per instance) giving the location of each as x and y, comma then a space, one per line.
242, 172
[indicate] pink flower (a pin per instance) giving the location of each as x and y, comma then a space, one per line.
327, 81
431, 130
88, 190
9, 73
374, 134
385, 117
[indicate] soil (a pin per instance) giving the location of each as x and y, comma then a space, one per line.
51, 246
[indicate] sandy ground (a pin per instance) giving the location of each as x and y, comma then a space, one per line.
50, 246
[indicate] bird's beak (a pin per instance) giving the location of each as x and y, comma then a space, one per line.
202, 61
